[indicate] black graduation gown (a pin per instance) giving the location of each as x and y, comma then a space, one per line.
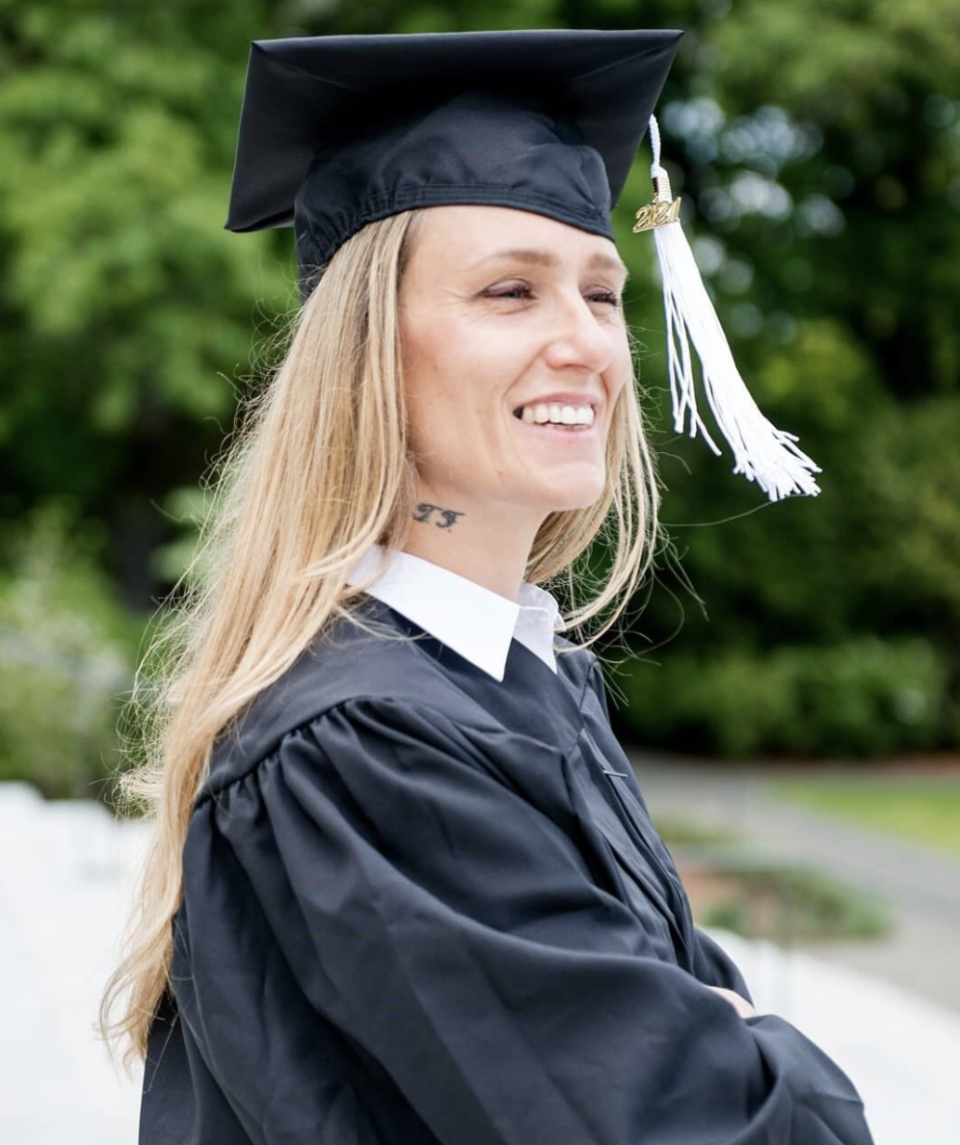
422, 906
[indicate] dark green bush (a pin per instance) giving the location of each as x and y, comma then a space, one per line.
861, 698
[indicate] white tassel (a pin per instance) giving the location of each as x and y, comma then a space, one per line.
762, 453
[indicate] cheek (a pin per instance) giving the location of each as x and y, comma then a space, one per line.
453, 377
424, 369
437, 390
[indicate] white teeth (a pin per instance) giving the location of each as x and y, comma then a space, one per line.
542, 412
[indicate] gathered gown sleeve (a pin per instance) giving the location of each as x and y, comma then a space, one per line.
452, 933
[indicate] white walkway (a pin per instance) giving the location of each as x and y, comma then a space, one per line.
65, 875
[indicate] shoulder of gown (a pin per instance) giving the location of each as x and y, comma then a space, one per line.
380, 656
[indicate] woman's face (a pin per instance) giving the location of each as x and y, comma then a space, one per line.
512, 330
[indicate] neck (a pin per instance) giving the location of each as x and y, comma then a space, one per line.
482, 546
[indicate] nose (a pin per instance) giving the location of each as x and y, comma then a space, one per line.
579, 339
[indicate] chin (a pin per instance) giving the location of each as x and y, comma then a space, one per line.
575, 495
573, 505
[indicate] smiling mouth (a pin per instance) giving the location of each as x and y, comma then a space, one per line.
554, 414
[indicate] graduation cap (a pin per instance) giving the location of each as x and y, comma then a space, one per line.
338, 131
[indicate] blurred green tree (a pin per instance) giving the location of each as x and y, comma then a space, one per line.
126, 310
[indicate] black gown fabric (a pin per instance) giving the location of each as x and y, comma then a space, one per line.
423, 906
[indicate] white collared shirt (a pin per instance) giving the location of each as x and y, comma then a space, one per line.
476, 623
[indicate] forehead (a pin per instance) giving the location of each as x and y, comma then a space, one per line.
461, 237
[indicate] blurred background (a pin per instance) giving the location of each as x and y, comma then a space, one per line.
790, 687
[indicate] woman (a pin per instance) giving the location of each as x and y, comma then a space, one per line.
403, 885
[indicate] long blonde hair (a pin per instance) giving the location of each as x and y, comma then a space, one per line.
319, 471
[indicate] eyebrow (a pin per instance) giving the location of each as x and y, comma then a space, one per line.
534, 256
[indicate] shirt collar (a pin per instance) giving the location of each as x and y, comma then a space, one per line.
476, 623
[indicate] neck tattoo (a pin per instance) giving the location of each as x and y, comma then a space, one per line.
425, 513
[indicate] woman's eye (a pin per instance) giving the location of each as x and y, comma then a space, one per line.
510, 290
522, 290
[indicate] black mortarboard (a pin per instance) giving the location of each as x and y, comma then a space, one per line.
337, 131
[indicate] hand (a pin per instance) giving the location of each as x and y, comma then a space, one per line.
741, 1005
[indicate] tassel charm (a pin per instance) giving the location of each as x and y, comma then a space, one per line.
762, 453
661, 211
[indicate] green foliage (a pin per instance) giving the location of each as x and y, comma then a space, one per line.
910, 476
861, 698
187, 507
126, 307
780, 903
66, 652
816, 145
791, 904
